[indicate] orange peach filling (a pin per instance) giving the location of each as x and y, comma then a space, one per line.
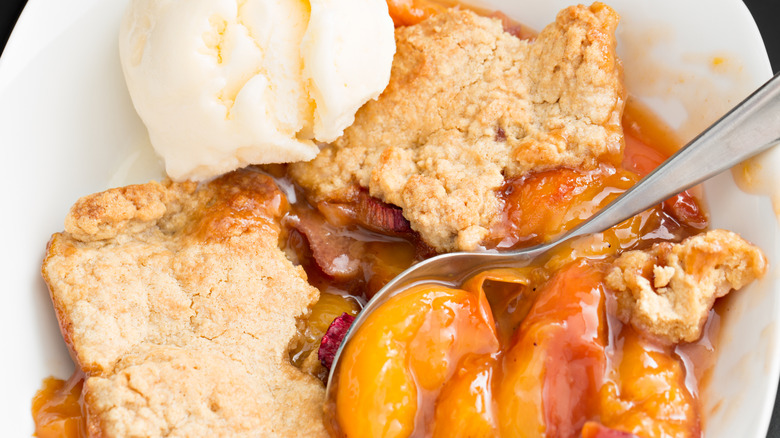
411, 352
429, 363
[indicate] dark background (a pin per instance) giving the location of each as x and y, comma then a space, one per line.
765, 12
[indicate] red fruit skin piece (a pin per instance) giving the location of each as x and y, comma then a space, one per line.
332, 340
380, 216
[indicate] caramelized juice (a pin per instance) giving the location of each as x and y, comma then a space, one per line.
58, 409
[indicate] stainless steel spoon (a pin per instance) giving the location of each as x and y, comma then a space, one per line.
749, 128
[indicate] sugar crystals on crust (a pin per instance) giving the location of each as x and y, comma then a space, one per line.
668, 290
469, 105
180, 307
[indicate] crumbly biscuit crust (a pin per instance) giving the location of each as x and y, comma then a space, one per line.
469, 105
668, 290
180, 307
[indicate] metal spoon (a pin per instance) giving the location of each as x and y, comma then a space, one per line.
749, 128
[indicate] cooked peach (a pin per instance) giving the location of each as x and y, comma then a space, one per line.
544, 204
645, 393
408, 12
404, 353
552, 372
464, 407
327, 308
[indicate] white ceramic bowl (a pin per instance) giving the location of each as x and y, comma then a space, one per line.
67, 128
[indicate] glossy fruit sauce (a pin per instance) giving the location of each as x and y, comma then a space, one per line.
57, 408
522, 352
534, 351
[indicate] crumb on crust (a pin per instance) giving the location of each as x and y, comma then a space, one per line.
668, 290
469, 105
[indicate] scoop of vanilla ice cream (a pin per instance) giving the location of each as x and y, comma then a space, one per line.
221, 84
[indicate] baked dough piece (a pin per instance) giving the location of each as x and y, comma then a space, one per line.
469, 105
179, 306
668, 290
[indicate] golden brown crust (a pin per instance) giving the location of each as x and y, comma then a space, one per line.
668, 290
468, 105
179, 305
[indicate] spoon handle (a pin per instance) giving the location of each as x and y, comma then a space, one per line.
749, 128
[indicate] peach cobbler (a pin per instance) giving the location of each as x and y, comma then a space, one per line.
215, 308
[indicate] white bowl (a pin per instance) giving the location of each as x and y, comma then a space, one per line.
68, 128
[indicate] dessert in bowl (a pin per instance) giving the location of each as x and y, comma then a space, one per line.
756, 239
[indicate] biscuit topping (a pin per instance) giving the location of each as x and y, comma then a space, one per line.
469, 105
668, 290
180, 308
